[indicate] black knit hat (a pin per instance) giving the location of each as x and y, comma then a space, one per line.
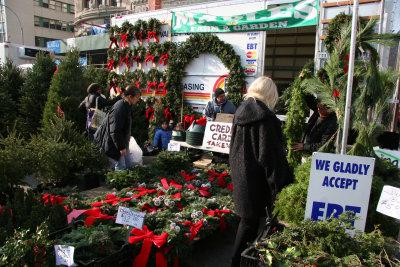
218, 92
92, 88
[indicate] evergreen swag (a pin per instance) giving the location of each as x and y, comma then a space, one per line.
192, 48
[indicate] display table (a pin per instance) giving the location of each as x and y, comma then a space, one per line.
213, 149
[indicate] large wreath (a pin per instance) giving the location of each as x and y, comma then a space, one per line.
192, 48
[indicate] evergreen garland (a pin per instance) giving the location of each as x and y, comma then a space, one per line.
334, 28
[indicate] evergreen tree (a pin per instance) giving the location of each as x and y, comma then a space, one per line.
10, 84
100, 76
67, 90
34, 94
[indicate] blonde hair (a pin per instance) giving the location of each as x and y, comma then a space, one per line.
264, 89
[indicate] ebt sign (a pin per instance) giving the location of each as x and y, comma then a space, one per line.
339, 183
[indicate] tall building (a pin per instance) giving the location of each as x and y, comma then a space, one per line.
34, 22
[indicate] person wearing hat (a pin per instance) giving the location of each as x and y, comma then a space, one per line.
220, 104
94, 95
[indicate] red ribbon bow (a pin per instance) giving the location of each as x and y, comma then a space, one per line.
59, 111
123, 39
148, 208
164, 58
202, 121
168, 114
336, 93
194, 228
218, 213
148, 239
110, 65
149, 85
163, 87
230, 187
113, 85
187, 176
189, 120
137, 84
126, 59
346, 63
220, 177
113, 41
144, 191
137, 58
96, 214
139, 35
202, 190
111, 199
152, 34
166, 183
149, 57
52, 199
149, 113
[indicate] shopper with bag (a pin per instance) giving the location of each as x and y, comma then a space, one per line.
257, 158
93, 102
114, 134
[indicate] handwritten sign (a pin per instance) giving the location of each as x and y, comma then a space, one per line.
389, 202
130, 217
218, 136
174, 147
64, 255
339, 183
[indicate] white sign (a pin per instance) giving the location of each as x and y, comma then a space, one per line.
64, 255
253, 51
130, 217
392, 155
389, 202
218, 136
339, 183
174, 147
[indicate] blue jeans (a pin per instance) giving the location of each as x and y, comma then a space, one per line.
124, 162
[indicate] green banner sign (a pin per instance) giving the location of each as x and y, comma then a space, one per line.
288, 15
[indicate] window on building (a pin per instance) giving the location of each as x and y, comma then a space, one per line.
115, 2
36, 3
37, 21
64, 27
64, 7
72, 9
52, 4
37, 41
44, 3
46, 23
58, 6
52, 24
86, 4
58, 25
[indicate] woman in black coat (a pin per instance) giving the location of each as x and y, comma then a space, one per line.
94, 95
114, 134
259, 168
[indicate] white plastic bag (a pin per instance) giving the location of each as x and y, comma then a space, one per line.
136, 152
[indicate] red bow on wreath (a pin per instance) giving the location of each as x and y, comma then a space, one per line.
148, 239
168, 114
123, 39
52, 199
166, 183
220, 177
96, 214
126, 59
218, 213
111, 199
189, 120
113, 41
163, 87
149, 85
346, 63
187, 176
113, 85
202, 190
110, 65
149, 57
164, 58
59, 111
149, 113
139, 35
194, 228
336, 93
137, 58
152, 34
202, 121
137, 84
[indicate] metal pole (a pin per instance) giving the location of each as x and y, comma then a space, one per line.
350, 77
20, 25
393, 127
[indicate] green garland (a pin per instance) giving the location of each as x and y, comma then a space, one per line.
192, 48
334, 30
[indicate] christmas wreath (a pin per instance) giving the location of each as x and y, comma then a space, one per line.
153, 52
333, 30
126, 33
140, 30
153, 29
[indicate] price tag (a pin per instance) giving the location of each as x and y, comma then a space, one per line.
389, 202
393, 101
174, 147
130, 217
64, 255
322, 55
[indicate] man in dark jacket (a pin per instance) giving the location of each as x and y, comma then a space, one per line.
321, 126
219, 104
259, 168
